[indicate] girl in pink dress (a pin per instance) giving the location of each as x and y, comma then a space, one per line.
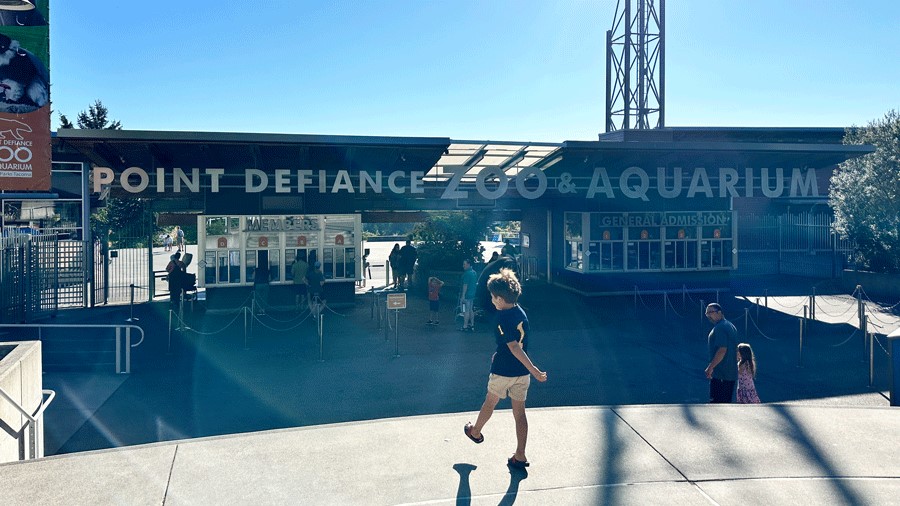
746, 390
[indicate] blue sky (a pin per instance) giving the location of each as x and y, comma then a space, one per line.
470, 70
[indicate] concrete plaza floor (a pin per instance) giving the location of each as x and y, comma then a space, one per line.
622, 418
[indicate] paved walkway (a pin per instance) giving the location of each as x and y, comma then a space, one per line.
687, 454
646, 435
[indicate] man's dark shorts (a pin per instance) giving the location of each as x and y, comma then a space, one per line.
434, 305
720, 391
300, 288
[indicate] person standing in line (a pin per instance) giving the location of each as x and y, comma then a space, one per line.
394, 261
511, 368
408, 255
298, 272
315, 281
434, 299
261, 278
175, 274
508, 249
746, 389
467, 296
179, 238
722, 368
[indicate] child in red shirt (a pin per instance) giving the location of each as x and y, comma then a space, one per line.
434, 299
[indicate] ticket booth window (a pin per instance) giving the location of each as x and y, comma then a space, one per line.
221, 262
715, 246
681, 247
643, 247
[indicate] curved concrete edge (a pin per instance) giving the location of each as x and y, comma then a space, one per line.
684, 454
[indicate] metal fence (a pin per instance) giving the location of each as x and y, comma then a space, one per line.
38, 275
803, 244
122, 258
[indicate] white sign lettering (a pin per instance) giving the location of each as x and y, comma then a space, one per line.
490, 183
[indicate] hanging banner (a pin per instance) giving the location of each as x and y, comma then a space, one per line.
24, 95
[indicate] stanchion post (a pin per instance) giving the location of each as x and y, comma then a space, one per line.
128, 350
245, 310
319, 325
746, 320
683, 295
757, 309
802, 321
665, 305
766, 295
702, 316
635, 299
812, 304
169, 348
118, 350
131, 317
871, 359
397, 333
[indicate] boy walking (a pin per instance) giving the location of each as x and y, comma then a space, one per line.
511, 369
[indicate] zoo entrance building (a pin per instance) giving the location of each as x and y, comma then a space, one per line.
654, 210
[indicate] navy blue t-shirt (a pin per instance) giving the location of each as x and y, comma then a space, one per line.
512, 325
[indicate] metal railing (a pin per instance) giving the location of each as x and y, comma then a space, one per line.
33, 425
120, 356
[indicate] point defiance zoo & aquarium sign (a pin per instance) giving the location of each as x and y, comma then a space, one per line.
25, 150
490, 183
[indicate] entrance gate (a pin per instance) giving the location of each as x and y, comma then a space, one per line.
38, 275
122, 258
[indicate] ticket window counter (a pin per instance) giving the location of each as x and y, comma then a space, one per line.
233, 247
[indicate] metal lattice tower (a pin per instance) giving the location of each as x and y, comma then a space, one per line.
635, 66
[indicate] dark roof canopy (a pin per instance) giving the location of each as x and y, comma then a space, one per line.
437, 156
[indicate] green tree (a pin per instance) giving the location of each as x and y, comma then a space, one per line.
865, 195
96, 117
447, 238
117, 214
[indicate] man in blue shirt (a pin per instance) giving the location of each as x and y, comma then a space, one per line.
467, 296
722, 368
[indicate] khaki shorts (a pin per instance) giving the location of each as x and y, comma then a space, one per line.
517, 386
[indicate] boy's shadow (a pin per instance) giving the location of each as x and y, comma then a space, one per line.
464, 490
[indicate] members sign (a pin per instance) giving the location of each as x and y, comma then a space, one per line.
24, 95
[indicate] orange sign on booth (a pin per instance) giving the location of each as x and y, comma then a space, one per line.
222, 242
301, 240
339, 240
717, 233
645, 234
606, 235
263, 242
681, 233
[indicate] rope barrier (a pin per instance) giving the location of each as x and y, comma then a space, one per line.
673, 308
642, 300
866, 296
873, 317
819, 308
326, 306
881, 345
282, 330
761, 332
291, 320
183, 325
789, 306
845, 341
